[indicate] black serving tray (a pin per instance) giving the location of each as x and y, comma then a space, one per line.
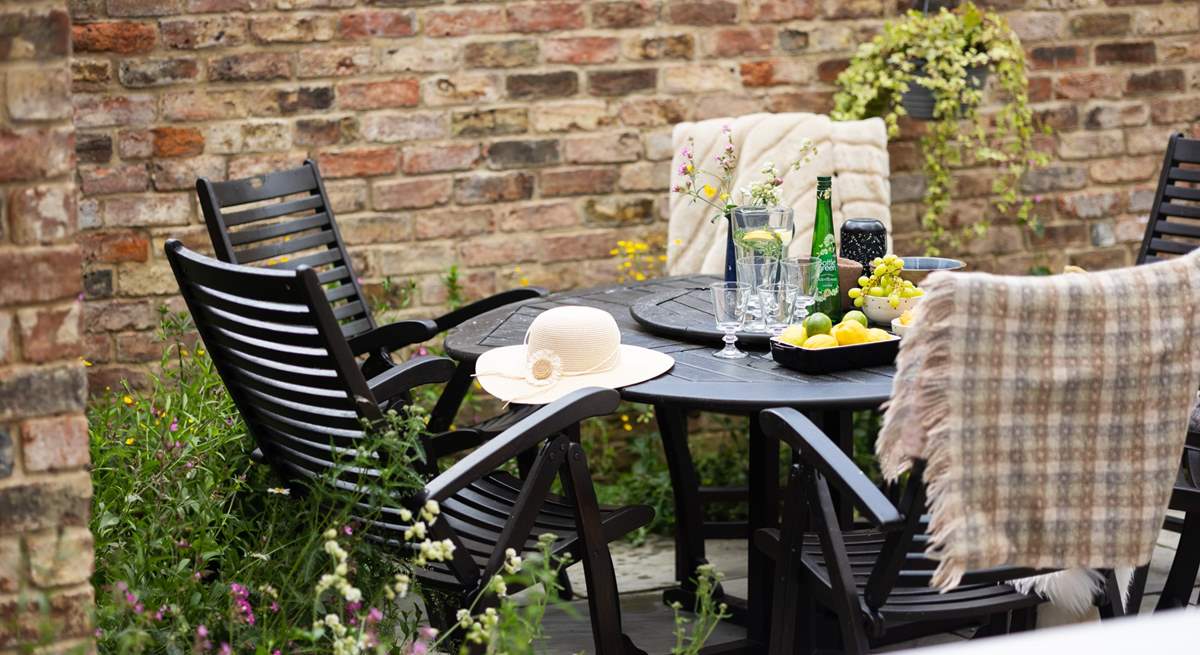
828, 360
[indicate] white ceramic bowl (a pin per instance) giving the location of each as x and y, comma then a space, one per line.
879, 311
898, 328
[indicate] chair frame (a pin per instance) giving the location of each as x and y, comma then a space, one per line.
818, 470
551, 431
366, 337
1178, 587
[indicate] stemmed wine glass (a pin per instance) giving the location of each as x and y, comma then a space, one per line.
777, 301
729, 310
756, 270
802, 273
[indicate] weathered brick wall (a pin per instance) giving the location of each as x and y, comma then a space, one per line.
499, 135
45, 547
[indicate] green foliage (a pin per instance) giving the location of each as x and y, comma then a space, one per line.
949, 43
181, 515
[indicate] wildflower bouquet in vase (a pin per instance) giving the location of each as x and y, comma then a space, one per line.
758, 223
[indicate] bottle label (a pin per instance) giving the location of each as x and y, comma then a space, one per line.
827, 281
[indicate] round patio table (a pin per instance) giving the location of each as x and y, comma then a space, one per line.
699, 381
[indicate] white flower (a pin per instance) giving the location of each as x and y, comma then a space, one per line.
543, 368
463, 617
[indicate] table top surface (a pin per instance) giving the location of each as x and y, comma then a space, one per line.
698, 379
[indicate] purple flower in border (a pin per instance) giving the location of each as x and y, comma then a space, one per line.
374, 615
226, 649
174, 427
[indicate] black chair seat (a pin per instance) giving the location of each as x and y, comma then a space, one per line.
906, 601
478, 512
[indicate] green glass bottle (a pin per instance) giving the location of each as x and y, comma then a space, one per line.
827, 298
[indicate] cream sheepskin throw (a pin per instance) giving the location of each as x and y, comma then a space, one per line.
853, 152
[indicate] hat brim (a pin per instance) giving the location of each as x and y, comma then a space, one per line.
637, 365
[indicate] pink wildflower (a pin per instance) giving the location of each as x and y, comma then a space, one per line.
374, 615
226, 649
174, 425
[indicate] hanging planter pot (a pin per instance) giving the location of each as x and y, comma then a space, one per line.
918, 101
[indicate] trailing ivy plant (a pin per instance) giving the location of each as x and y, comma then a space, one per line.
936, 51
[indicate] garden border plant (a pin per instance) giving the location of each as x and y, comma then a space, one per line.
938, 52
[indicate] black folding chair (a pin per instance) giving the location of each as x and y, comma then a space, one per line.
1174, 229
284, 220
875, 580
279, 348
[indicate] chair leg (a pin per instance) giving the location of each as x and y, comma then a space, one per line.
842, 589
1177, 590
788, 635
451, 399
1023, 620
604, 603
996, 625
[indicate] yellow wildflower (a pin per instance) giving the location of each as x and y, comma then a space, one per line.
524, 281
199, 351
639, 276
84, 361
628, 427
709, 190
613, 251
724, 196
129, 441
128, 400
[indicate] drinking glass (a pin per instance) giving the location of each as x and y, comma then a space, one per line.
756, 270
778, 300
729, 310
762, 230
802, 273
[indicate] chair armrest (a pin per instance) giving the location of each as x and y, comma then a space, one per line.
469, 311
820, 452
401, 378
526, 434
393, 336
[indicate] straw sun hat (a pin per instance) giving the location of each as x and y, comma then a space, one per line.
566, 349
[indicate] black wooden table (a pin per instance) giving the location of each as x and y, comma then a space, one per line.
700, 381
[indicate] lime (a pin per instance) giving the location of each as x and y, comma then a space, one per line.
856, 316
817, 323
820, 341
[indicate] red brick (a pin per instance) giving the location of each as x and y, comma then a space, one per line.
545, 16
603, 148
542, 85
399, 92
148, 210
42, 34
1041, 89
250, 67
651, 112
828, 70
121, 37
578, 247
581, 50
90, 75
143, 7
482, 188
625, 13
42, 214
194, 33
113, 247
460, 22
541, 216
1076, 86
758, 73
412, 194
121, 178
738, 41
213, 6
454, 223
769, 11
49, 333
367, 24
578, 181
36, 153
702, 12
1156, 81
622, 82
662, 46
1125, 53
335, 62
820, 102
497, 250
1058, 56
293, 28
838, 9
1105, 24
39, 275
1174, 110
361, 162
177, 141
436, 158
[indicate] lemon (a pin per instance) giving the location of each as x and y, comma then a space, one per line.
849, 333
817, 341
876, 334
794, 334
758, 235
856, 316
817, 323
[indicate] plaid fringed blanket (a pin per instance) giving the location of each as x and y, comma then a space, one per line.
1050, 411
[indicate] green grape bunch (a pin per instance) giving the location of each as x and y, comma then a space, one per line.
885, 282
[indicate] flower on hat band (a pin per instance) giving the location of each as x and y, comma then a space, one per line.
543, 368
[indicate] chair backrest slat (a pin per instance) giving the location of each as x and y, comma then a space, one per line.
279, 349
1174, 223
285, 220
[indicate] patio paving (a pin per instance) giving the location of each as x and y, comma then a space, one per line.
644, 571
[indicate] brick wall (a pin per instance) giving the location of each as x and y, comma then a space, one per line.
45, 547
499, 135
